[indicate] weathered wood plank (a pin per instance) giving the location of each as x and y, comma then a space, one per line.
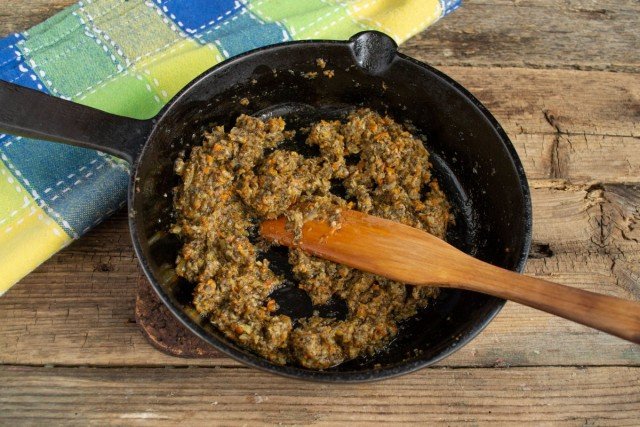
20, 15
565, 216
621, 215
78, 307
581, 158
488, 33
579, 128
556, 101
573, 134
558, 396
81, 304
573, 34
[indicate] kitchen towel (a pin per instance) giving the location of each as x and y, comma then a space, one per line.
129, 57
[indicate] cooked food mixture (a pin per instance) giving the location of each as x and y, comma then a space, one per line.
240, 177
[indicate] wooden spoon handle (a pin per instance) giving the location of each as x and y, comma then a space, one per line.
606, 313
409, 255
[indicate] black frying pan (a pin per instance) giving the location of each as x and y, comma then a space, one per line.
472, 157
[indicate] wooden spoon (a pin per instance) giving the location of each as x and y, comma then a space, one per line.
409, 255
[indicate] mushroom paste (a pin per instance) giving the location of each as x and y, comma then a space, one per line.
238, 178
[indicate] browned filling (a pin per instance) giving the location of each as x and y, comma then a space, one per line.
240, 177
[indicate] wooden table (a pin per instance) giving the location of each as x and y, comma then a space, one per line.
562, 76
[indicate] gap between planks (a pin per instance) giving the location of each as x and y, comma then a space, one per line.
572, 396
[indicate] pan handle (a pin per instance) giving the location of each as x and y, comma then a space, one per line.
32, 114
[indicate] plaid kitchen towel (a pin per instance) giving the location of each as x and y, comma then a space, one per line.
129, 58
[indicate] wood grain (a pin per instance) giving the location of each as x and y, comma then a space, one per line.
78, 307
158, 396
556, 101
570, 34
577, 134
18, 16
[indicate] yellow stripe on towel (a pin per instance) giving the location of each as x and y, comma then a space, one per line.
400, 19
27, 234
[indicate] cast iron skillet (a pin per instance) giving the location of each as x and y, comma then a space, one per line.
472, 157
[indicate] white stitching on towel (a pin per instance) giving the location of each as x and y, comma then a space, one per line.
247, 9
18, 54
36, 196
223, 50
43, 76
107, 158
71, 31
107, 213
96, 86
164, 18
319, 18
252, 6
267, 18
99, 32
103, 82
70, 49
55, 196
236, 5
99, 42
47, 221
16, 79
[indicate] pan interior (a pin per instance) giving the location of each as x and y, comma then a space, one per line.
470, 157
